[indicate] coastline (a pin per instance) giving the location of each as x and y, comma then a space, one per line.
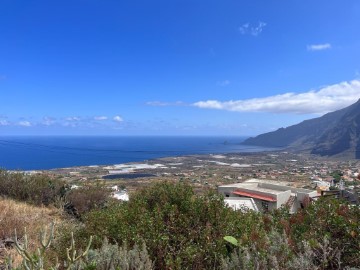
44, 153
202, 171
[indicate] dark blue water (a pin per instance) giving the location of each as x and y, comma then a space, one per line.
34, 153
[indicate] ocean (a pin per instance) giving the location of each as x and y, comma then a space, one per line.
49, 152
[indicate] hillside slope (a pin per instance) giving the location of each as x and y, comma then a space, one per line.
335, 133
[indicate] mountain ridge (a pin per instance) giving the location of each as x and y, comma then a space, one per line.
333, 134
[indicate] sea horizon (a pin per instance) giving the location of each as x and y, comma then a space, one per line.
44, 152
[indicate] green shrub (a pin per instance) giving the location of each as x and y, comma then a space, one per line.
276, 255
36, 189
181, 230
329, 221
324, 235
114, 257
87, 198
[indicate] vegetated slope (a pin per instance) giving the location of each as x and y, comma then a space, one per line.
334, 133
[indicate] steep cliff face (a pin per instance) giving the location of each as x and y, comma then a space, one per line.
343, 137
335, 133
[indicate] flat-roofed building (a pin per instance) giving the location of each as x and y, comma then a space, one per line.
268, 195
238, 203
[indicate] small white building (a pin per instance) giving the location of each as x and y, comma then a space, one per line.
268, 195
121, 195
322, 184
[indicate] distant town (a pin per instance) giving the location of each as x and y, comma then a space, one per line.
211, 171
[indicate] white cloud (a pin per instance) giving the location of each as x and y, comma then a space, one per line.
72, 118
4, 123
223, 83
100, 118
71, 121
246, 28
25, 124
326, 99
69, 124
48, 121
118, 119
319, 47
258, 29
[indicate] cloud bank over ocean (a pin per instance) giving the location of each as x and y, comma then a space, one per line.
326, 99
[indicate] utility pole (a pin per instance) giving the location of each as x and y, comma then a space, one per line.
341, 187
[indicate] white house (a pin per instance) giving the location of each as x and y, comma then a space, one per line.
268, 195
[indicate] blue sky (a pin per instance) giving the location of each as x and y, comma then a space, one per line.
187, 67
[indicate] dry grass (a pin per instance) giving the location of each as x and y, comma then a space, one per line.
17, 215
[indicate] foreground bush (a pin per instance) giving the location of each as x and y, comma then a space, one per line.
185, 231
115, 257
328, 222
36, 189
324, 235
180, 229
86, 198
108, 257
168, 226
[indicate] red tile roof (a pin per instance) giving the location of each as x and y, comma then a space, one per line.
254, 195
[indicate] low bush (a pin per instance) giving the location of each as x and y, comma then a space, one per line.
113, 257
324, 235
328, 221
181, 230
168, 226
36, 189
87, 198
280, 255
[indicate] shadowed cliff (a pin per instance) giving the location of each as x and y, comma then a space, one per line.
335, 133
